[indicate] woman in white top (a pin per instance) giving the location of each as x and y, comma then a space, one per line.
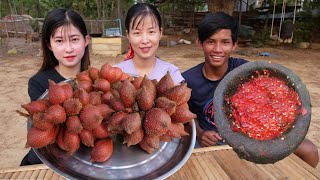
143, 29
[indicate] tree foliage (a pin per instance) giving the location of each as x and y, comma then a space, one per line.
39, 8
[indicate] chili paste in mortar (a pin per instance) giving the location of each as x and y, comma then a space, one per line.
264, 107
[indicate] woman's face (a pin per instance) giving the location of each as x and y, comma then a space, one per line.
145, 38
68, 46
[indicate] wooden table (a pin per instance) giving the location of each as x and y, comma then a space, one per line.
219, 162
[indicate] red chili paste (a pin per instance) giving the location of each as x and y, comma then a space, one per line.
264, 107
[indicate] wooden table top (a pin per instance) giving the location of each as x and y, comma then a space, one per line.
219, 162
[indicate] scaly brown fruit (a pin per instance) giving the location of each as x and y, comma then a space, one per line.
156, 122
180, 94
40, 121
116, 104
56, 114
87, 138
146, 147
73, 124
151, 88
124, 76
72, 142
38, 138
60, 139
166, 104
83, 76
101, 131
127, 93
105, 111
84, 97
102, 150
182, 115
93, 73
165, 83
67, 89
33, 107
90, 117
176, 130
115, 122
95, 98
101, 85
153, 141
86, 85
133, 138
137, 82
144, 99
132, 122
56, 93
72, 106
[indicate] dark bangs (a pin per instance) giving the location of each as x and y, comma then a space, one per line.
137, 20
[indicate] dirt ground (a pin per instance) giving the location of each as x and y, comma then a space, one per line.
15, 70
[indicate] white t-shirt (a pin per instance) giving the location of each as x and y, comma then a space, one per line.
160, 69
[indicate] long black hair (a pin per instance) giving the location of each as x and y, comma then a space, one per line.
55, 19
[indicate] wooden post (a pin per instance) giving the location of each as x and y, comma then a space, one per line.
240, 14
5, 23
91, 27
103, 18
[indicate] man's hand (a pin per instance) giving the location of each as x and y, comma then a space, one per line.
208, 138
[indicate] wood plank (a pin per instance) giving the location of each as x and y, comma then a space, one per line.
35, 174
305, 165
180, 174
175, 176
254, 172
22, 174
2, 175
28, 175
15, 175
107, 40
273, 170
42, 173
202, 174
108, 53
299, 169
55, 176
204, 166
226, 165
124, 44
211, 148
108, 47
24, 168
8, 175
190, 169
234, 167
266, 174
289, 173
48, 175
214, 167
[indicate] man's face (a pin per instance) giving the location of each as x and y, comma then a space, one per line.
217, 48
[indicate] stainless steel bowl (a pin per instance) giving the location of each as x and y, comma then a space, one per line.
125, 162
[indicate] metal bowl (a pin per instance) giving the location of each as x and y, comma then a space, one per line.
125, 163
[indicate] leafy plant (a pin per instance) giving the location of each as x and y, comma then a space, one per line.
261, 37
